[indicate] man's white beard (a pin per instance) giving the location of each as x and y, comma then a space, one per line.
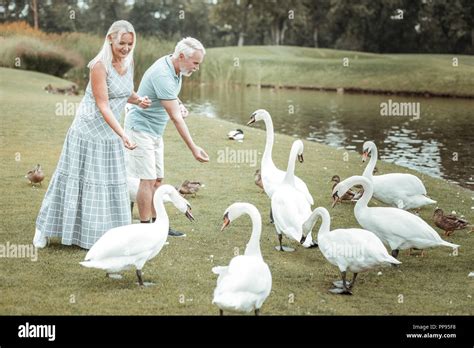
185, 72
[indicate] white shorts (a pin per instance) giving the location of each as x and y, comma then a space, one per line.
147, 160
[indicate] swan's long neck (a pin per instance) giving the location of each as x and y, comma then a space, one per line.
366, 196
267, 153
371, 166
290, 169
253, 246
161, 214
313, 218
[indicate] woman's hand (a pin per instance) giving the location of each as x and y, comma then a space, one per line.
127, 143
144, 102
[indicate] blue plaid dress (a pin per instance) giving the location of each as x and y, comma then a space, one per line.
88, 192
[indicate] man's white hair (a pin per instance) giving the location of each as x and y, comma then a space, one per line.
188, 46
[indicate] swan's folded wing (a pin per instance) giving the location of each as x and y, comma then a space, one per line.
126, 241
245, 274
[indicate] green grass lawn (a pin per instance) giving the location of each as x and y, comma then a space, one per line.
437, 284
311, 67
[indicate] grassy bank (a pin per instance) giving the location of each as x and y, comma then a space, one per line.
56, 284
323, 68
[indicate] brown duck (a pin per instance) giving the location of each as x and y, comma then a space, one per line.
448, 223
36, 175
258, 179
189, 187
350, 195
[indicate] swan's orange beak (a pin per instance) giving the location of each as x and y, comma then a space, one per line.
364, 156
226, 222
300, 158
252, 120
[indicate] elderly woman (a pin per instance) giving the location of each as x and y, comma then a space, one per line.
88, 192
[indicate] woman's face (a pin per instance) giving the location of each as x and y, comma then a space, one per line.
122, 47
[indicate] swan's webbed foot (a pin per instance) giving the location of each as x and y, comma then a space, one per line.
281, 247
257, 312
342, 287
339, 291
221, 312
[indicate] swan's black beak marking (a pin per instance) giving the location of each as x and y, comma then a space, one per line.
226, 221
303, 238
335, 198
188, 214
300, 158
252, 119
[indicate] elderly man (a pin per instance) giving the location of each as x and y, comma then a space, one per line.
162, 84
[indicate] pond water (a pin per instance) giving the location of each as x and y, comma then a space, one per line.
438, 140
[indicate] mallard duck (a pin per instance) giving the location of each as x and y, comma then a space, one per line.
258, 179
133, 245
448, 223
350, 249
395, 227
189, 187
237, 134
36, 175
245, 284
404, 191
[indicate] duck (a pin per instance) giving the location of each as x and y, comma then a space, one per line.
237, 134
350, 249
36, 175
449, 223
350, 195
272, 177
404, 191
245, 284
128, 246
190, 187
258, 179
289, 206
395, 227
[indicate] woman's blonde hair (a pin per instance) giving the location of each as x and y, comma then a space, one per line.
116, 30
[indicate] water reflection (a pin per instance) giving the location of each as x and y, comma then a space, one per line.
438, 143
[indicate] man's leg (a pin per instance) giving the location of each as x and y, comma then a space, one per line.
156, 184
145, 199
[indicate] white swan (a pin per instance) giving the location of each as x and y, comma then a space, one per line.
404, 191
129, 246
350, 249
245, 284
396, 228
271, 175
289, 206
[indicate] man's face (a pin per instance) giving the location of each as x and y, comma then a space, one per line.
189, 65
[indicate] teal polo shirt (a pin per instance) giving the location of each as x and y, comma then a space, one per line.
160, 82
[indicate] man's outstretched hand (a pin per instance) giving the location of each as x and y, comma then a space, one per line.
200, 155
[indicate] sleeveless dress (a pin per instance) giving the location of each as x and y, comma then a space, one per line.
88, 192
